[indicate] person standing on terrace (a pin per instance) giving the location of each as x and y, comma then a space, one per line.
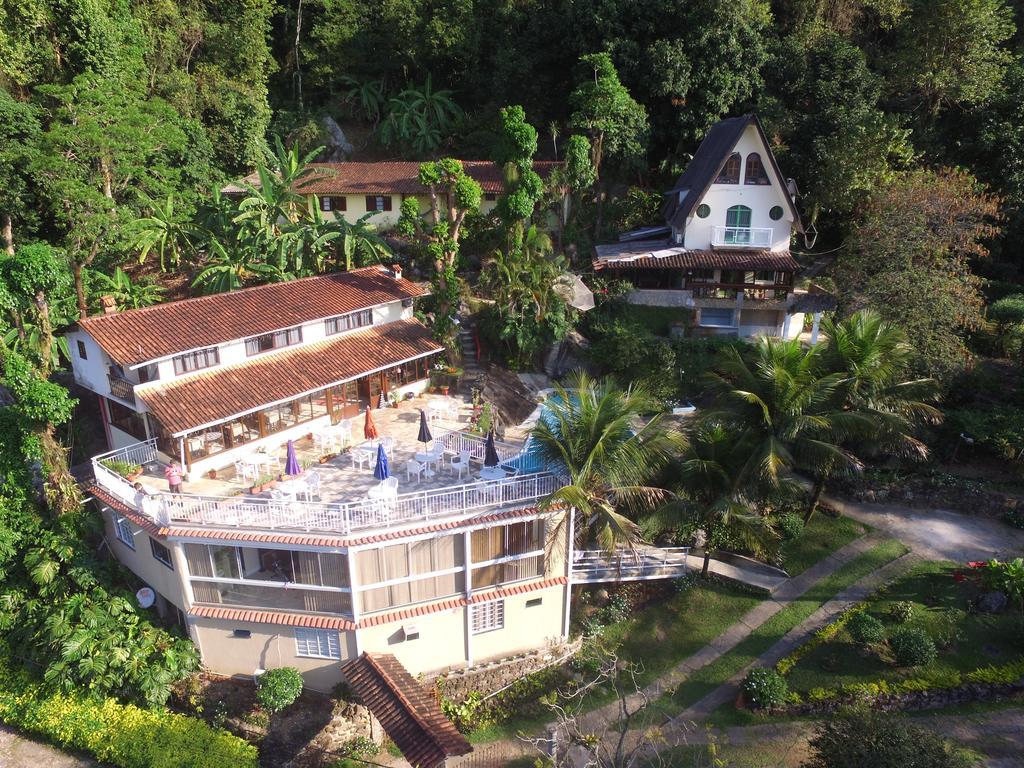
174, 476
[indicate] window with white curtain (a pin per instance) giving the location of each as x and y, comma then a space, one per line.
123, 531
317, 643
403, 563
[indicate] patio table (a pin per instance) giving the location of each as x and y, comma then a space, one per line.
429, 457
260, 461
492, 473
294, 488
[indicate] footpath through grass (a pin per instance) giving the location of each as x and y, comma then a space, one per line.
656, 638
708, 678
820, 538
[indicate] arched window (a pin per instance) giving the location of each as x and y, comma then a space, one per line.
737, 225
730, 173
755, 170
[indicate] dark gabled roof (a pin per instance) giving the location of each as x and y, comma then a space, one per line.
707, 163
405, 709
809, 303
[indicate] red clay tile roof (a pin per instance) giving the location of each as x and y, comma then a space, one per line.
271, 617
137, 335
389, 177
640, 255
409, 714
211, 396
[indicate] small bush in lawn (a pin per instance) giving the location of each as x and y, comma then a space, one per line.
901, 612
791, 526
865, 628
278, 688
1015, 517
912, 647
765, 688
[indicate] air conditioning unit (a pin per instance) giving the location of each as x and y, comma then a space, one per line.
411, 631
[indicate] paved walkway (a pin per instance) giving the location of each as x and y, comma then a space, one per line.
799, 635
17, 751
791, 590
937, 534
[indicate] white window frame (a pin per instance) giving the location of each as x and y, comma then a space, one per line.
123, 531
487, 617
307, 638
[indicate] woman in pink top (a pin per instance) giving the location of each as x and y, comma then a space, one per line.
173, 474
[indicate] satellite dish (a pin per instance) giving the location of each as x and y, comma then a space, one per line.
146, 597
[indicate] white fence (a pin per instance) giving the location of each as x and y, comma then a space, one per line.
594, 565
743, 237
245, 511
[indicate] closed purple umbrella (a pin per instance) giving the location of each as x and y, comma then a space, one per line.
291, 462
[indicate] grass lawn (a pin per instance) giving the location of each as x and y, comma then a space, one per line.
966, 641
657, 320
707, 678
659, 637
821, 537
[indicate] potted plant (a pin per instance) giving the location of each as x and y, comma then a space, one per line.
444, 390
130, 472
212, 474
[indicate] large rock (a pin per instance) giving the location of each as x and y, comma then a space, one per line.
991, 602
338, 147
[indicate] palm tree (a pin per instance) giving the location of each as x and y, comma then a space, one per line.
165, 233
593, 432
785, 413
874, 357
712, 496
128, 294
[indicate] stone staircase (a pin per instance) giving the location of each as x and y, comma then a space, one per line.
470, 363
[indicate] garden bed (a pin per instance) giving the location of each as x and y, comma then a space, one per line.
939, 599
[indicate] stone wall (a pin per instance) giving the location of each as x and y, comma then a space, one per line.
912, 701
493, 676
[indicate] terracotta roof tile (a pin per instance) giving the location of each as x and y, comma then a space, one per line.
409, 714
389, 177
271, 617
137, 335
214, 395
647, 254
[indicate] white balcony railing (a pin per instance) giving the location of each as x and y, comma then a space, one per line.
245, 511
742, 237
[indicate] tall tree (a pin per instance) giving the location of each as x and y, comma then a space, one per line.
589, 432
909, 260
34, 277
19, 134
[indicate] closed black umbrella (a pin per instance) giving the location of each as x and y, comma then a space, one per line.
424, 435
490, 453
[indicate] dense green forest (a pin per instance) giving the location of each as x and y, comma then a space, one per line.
902, 122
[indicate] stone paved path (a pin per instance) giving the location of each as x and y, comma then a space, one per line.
17, 751
936, 534
785, 594
798, 635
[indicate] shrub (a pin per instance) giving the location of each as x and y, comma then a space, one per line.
912, 647
118, 734
1007, 310
879, 740
866, 629
902, 611
278, 688
1015, 517
765, 688
791, 526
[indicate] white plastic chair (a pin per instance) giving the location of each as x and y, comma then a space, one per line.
413, 467
312, 485
391, 485
461, 462
244, 472
360, 458
389, 445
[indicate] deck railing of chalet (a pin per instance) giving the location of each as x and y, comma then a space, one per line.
457, 442
743, 237
244, 511
750, 291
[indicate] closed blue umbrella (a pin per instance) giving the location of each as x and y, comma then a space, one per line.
424, 435
490, 453
291, 462
381, 470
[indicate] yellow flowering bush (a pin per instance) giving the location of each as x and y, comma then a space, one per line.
120, 734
